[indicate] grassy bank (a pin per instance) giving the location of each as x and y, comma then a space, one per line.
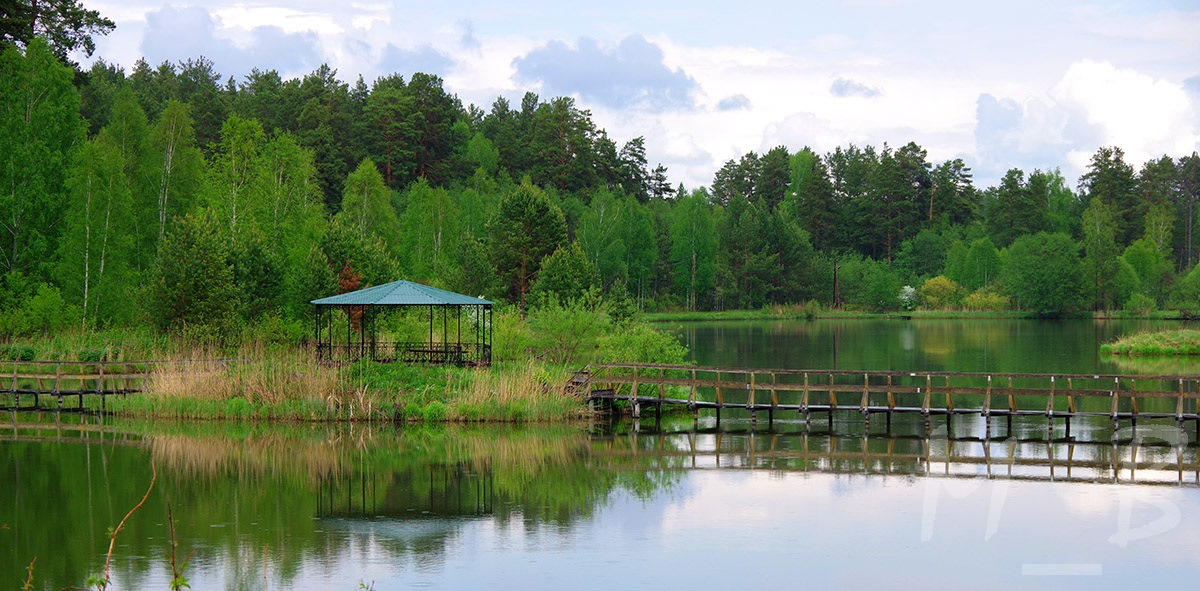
260, 380
1164, 343
289, 385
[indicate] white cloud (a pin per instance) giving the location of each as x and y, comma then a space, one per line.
1094, 104
988, 84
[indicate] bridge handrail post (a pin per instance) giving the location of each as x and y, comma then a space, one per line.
804, 400
987, 398
928, 393
1179, 403
1050, 400
866, 397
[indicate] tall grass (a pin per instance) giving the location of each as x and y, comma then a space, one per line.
524, 392
261, 382
1167, 342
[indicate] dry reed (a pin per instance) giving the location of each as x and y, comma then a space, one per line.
527, 389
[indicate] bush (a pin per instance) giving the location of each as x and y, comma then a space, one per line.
17, 353
1186, 295
940, 293
1140, 304
92, 355
986, 300
568, 334
908, 298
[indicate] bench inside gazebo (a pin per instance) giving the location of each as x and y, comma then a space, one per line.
459, 326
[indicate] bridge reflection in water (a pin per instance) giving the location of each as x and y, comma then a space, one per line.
456, 490
1146, 454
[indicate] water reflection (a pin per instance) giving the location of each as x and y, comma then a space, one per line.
314, 506
1020, 449
923, 344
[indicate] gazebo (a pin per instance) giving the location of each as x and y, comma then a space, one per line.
457, 316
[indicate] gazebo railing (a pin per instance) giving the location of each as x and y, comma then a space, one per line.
407, 351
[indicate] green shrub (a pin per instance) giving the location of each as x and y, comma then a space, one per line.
17, 353
1140, 304
434, 412
92, 355
986, 300
940, 293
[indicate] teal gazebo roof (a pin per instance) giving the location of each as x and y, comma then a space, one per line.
401, 293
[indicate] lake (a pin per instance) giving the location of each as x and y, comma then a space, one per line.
627, 506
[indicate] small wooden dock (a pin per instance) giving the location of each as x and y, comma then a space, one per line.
774, 391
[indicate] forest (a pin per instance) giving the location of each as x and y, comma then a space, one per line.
171, 196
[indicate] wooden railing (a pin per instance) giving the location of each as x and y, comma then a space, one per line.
409, 352
805, 391
34, 380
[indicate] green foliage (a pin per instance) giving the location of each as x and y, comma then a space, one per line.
429, 232
95, 253
527, 228
940, 293
1151, 266
1100, 253
867, 284
924, 255
568, 334
1126, 283
367, 207
1042, 272
1167, 342
566, 275
881, 289
1111, 181
693, 249
1017, 207
39, 127
986, 300
17, 353
193, 287
639, 342
1140, 304
65, 25
982, 265
1186, 293
311, 176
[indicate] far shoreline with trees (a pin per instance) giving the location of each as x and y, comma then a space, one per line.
214, 209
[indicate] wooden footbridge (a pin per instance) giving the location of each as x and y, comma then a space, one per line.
43, 385
774, 391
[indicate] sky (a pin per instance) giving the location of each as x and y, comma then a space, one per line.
1015, 84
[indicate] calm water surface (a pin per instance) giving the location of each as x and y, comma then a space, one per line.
333, 507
